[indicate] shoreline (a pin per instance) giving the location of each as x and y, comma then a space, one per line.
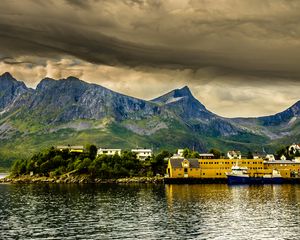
79, 179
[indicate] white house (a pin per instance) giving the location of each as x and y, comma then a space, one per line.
270, 157
257, 156
234, 154
180, 152
283, 158
142, 154
109, 151
294, 148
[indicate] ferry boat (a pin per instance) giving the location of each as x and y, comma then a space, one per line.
240, 175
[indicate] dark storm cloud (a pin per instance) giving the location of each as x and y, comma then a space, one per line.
258, 38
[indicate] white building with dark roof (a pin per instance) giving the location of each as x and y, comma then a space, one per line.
142, 154
234, 154
109, 151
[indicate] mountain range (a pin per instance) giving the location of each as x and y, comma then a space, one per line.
71, 111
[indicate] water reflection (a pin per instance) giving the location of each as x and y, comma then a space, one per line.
239, 212
149, 212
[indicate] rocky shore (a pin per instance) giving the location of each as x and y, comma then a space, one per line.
79, 179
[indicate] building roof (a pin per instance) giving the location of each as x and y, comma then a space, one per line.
234, 152
141, 150
282, 162
177, 162
206, 155
110, 149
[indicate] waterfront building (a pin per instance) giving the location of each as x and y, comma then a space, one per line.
74, 149
142, 154
217, 168
109, 151
287, 168
206, 156
183, 168
234, 154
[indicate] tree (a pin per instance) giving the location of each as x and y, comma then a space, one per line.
186, 152
92, 151
215, 152
282, 151
249, 155
158, 162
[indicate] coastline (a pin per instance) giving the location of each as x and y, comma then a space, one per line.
79, 179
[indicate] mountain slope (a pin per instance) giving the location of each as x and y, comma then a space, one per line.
60, 101
280, 125
71, 111
194, 114
10, 90
288, 116
184, 104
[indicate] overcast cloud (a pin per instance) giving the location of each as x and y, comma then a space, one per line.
240, 58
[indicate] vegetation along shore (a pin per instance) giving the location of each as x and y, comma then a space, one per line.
56, 166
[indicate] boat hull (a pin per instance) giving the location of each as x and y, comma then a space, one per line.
253, 180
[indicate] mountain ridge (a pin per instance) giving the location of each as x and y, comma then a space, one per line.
73, 111
183, 92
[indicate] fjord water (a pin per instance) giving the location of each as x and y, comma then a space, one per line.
149, 212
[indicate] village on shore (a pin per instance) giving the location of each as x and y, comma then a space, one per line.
85, 164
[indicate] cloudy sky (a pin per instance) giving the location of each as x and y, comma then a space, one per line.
239, 58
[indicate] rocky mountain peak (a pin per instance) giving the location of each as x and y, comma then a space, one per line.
6, 75
174, 96
10, 89
185, 91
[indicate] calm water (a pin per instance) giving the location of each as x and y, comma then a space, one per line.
149, 212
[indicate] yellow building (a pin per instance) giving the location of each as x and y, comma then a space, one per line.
287, 169
217, 168
183, 168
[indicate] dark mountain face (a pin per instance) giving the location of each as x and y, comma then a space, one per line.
194, 114
176, 116
184, 104
10, 90
70, 99
283, 117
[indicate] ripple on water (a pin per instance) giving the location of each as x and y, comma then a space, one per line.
149, 212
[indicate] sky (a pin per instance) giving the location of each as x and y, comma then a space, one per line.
239, 57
